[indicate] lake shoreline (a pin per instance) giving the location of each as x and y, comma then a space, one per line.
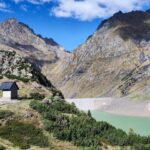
118, 106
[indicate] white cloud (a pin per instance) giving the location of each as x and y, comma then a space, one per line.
90, 9
34, 1
4, 7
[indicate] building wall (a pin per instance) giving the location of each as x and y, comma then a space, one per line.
14, 94
7, 94
10, 94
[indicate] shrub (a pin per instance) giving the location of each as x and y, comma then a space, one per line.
23, 134
57, 93
65, 107
10, 76
37, 96
5, 114
81, 128
141, 147
1, 77
22, 66
2, 147
40, 107
89, 113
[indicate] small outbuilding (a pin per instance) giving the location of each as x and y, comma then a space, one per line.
10, 90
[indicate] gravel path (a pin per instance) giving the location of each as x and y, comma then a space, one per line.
115, 106
7, 101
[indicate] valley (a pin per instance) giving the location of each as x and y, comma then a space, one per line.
113, 62
93, 98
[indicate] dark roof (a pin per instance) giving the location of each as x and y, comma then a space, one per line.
8, 85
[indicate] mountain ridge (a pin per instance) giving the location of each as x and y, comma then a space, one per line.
97, 67
15, 21
111, 53
45, 53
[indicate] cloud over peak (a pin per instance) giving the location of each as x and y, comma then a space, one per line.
89, 9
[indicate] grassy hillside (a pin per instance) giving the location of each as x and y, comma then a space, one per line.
23, 114
57, 125
43, 120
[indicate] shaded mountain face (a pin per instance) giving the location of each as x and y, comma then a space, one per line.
45, 53
114, 61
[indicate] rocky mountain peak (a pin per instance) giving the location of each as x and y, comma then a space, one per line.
114, 61
130, 18
133, 25
16, 31
102, 65
20, 27
11, 21
45, 53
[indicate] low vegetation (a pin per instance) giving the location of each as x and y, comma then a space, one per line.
2, 147
5, 113
11, 76
140, 97
23, 134
1, 77
37, 96
67, 123
1, 93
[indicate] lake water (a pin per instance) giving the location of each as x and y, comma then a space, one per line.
123, 112
140, 125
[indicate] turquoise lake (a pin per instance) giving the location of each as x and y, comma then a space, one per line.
140, 125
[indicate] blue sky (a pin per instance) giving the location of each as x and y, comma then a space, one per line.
68, 22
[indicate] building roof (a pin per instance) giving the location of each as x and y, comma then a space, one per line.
8, 85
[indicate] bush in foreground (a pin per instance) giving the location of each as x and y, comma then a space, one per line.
37, 96
23, 135
67, 123
5, 114
2, 147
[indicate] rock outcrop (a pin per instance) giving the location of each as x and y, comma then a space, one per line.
114, 61
27, 75
45, 53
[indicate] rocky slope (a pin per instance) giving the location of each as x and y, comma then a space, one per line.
43, 52
114, 61
28, 76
